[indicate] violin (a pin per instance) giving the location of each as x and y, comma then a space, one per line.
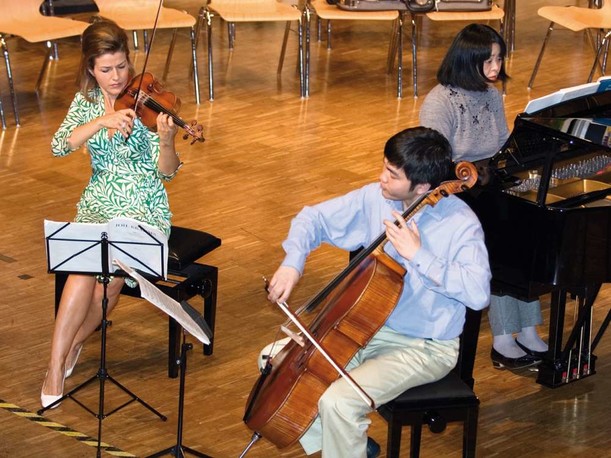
147, 97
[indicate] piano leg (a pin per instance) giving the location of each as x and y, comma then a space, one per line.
573, 361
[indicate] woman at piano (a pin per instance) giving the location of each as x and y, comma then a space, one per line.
468, 110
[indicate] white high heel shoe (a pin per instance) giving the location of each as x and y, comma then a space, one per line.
47, 399
71, 368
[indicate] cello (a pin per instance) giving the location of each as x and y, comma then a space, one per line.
354, 306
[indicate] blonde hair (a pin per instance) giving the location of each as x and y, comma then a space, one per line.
101, 37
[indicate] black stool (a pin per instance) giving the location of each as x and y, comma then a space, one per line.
450, 399
186, 279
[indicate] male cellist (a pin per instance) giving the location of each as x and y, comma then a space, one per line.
442, 249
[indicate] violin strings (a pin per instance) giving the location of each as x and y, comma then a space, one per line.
150, 102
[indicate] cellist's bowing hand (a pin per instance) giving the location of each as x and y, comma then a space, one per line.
166, 129
282, 283
404, 237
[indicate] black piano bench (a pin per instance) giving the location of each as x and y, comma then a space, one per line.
435, 404
186, 279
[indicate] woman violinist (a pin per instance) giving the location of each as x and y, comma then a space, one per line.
129, 164
442, 249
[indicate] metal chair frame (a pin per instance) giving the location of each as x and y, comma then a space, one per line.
139, 16
259, 11
594, 17
23, 19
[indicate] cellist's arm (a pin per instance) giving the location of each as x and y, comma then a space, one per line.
282, 284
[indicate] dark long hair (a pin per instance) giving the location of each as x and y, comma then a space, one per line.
101, 37
463, 65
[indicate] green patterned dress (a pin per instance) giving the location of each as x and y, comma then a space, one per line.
125, 181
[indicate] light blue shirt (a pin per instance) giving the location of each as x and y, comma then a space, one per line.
449, 272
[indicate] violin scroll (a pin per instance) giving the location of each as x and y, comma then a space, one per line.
194, 130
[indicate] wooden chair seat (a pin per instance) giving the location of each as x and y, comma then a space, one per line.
254, 11
332, 12
494, 14
577, 19
23, 19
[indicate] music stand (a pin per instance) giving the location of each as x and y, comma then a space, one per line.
192, 322
88, 248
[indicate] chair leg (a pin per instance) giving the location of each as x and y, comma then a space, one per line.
550, 29
400, 55
470, 433
9, 74
329, 34
602, 47
415, 54
304, 38
287, 31
414, 442
2, 118
392, 48
195, 66
231, 34
210, 58
393, 439
204, 15
45, 65
135, 39
145, 38
169, 57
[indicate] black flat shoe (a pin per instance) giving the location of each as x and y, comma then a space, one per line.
373, 448
501, 362
536, 354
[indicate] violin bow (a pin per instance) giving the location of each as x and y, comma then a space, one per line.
148, 52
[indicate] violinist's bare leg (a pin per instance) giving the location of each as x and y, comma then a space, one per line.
79, 314
94, 315
73, 309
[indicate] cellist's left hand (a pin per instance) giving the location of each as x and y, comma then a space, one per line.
404, 237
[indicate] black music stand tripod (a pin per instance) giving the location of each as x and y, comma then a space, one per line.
179, 450
102, 375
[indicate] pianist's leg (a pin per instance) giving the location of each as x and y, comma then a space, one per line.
508, 316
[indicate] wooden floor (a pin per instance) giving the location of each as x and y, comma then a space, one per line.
267, 154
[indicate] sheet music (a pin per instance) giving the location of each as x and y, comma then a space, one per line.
76, 247
560, 96
197, 328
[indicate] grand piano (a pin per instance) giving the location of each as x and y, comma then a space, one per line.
546, 214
